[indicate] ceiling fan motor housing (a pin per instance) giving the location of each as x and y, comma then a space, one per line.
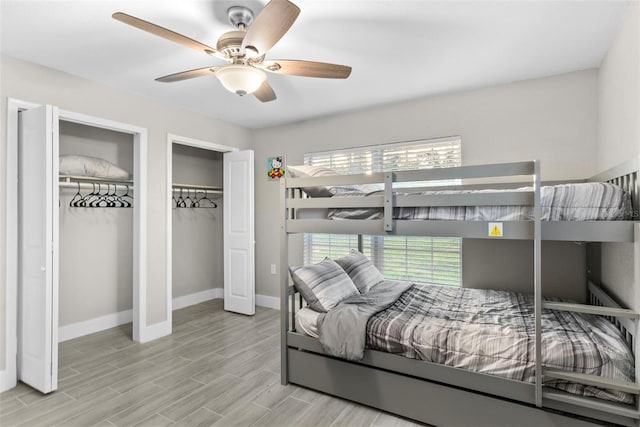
230, 43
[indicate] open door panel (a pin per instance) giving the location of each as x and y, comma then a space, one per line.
239, 240
37, 248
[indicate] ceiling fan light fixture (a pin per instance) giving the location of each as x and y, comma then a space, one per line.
241, 79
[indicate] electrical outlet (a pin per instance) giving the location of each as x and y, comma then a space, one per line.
273, 269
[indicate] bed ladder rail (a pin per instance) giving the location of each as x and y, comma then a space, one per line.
594, 380
591, 309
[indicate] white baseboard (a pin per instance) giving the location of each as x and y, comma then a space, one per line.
152, 332
155, 331
197, 298
268, 302
79, 329
218, 293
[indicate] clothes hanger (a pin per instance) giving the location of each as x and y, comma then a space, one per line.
173, 197
125, 198
181, 203
100, 200
206, 197
87, 199
188, 201
110, 198
74, 203
196, 201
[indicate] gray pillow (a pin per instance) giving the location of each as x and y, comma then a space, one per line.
361, 270
323, 285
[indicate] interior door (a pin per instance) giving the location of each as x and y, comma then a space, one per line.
37, 248
239, 243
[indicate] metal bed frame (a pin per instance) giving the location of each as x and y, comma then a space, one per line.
435, 393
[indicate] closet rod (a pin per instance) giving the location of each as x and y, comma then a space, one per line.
91, 179
95, 186
195, 187
186, 190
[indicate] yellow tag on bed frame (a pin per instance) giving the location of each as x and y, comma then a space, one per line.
495, 229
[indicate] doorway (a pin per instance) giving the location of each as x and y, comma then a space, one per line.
199, 176
45, 331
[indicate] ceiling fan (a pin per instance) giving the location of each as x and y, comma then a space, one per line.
244, 49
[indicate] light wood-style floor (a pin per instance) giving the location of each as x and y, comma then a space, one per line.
217, 368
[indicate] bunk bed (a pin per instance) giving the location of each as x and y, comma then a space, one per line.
435, 393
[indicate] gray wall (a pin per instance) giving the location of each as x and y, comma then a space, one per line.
553, 119
96, 245
30, 82
491, 264
619, 140
197, 263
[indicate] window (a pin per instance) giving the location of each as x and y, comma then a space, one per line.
419, 259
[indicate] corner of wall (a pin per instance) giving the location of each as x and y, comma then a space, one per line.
619, 95
7, 380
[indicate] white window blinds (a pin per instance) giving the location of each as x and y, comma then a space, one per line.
419, 259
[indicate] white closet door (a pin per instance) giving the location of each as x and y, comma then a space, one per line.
38, 248
239, 270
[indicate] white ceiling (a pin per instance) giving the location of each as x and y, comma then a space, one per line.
399, 50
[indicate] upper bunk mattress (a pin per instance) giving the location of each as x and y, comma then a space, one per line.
593, 201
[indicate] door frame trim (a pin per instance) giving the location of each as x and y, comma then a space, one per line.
8, 376
191, 142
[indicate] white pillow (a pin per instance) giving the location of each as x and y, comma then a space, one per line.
76, 165
307, 171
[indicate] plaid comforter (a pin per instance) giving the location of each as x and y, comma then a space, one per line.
594, 201
493, 332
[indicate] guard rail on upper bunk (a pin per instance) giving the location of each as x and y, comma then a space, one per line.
493, 177
393, 198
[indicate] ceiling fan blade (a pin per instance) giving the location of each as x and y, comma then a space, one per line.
265, 93
306, 68
184, 75
270, 25
165, 33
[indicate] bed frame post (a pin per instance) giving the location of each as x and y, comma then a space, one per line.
537, 278
388, 201
284, 283
593, 262
636, 286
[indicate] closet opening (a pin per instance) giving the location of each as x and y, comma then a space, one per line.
201, 188
197, 225
76, 242
96, 201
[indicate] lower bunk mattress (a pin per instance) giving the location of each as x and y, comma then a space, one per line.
493, 332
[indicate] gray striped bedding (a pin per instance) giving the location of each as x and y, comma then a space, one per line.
493, 332
594, 201
323, 285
